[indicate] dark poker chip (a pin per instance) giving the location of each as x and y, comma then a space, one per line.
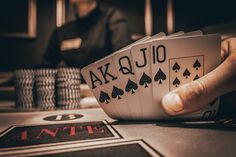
68, 88
24, 88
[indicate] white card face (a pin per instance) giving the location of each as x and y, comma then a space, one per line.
182, 34
141, 62
157, 36
185, 69
126, 75
186, 51
210, 110
101, 85
175, 34
193, 33
103, 80
126, 72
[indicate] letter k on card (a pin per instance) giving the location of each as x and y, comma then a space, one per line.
103, 79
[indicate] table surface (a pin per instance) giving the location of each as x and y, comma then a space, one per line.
170, 139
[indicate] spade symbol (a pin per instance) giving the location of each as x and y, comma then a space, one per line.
131, 86
197, 64
176, 82
196, 77
176, 67
104, 97
160, 76
145, 80
117, 92
186, 73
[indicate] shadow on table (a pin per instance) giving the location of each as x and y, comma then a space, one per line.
134, 122
224, 124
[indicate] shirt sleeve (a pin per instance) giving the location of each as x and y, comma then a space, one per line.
118, 27
51, 57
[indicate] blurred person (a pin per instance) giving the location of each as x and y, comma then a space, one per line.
94, 34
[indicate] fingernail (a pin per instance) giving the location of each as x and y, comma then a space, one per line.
173, 102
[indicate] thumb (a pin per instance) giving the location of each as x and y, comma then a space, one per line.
199, 93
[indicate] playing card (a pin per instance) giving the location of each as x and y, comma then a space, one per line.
102, 78
141, 64
182, 34
175, 34
148, 91
185, 69
193, 33
176, 61
126, 74
210, 110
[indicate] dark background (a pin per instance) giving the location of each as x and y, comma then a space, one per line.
22, 52
20, 9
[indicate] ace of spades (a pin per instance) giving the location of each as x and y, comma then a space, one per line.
104, 97
109, 90
102, 78
163, 51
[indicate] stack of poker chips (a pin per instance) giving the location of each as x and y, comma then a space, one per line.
24, 88
45, 88
68, 88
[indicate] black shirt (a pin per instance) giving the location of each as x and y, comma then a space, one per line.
85, 40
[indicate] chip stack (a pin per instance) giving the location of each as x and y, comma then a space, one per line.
45, 88
68, 88
24, 86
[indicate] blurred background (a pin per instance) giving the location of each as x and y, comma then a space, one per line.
26, 25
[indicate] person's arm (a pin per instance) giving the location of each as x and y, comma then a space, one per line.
199, 93
118, 27
52, 57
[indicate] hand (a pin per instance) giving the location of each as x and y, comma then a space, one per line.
199, 93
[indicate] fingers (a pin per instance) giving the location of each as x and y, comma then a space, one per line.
197, 94
227, 47
224, 50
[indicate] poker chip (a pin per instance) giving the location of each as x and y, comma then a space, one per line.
45, 88
68, 88
48, 88
24, 88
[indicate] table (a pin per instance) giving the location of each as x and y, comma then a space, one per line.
163, 138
